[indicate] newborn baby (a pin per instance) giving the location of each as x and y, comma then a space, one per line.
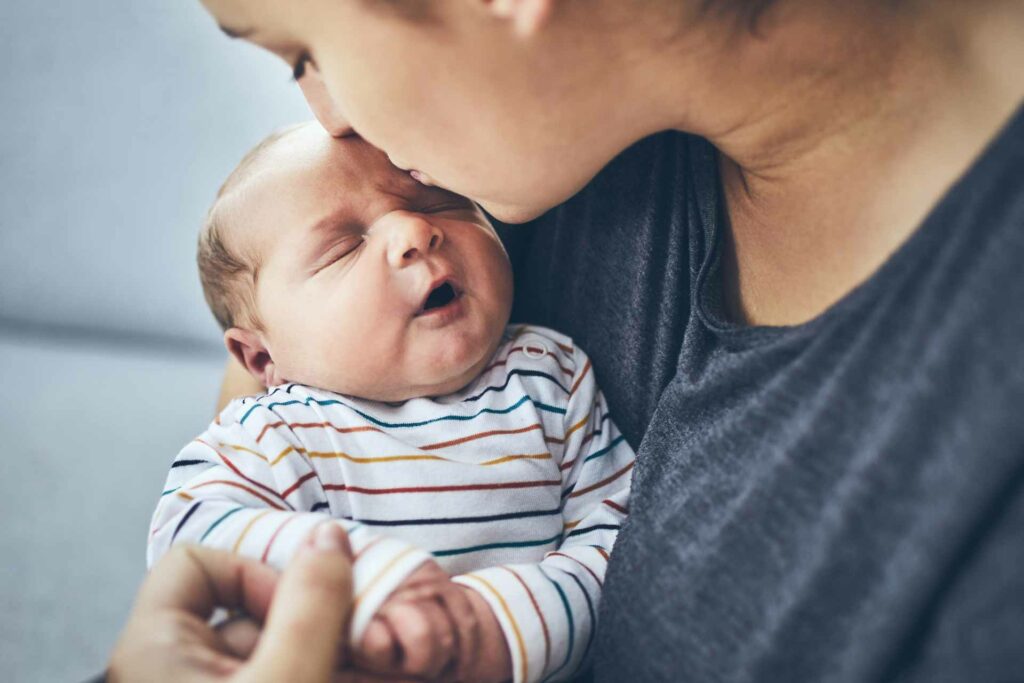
473, 465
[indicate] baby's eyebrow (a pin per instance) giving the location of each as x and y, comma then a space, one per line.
329, 222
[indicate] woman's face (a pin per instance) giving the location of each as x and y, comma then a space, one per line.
456, 95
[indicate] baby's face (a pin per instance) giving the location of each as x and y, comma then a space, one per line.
369, 283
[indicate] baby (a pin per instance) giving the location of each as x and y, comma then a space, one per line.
473, 465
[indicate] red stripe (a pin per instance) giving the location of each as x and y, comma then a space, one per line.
302, 480
367, 547
566, 465
589, 570
239, 472
576, 384
266, 551
540, 615
480, 435
244, 488
603, 482
616, 506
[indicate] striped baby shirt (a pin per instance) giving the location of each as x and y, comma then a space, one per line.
516, 485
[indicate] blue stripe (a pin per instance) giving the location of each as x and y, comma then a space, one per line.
597, 454
596, 527
169, 491
508, 377
396, 425
195, 506
590, 609
189, 463
214, 525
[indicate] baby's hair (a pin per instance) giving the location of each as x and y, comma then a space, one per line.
229, 276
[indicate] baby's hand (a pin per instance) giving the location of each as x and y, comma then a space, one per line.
433, 628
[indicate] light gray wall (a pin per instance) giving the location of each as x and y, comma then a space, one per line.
118, 121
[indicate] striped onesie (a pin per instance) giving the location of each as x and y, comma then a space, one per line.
516, 485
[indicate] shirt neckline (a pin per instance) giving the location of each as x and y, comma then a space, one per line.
926, 237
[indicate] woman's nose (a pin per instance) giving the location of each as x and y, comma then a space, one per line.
323, 105
411, 237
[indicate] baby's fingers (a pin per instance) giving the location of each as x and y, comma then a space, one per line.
379, 650
422, 638
467, 633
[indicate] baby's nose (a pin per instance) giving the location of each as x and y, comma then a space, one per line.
411, 237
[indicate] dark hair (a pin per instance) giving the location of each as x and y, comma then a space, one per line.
747, 12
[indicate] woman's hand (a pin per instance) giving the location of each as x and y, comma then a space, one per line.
304, 611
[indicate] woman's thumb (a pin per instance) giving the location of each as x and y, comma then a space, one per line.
305, 628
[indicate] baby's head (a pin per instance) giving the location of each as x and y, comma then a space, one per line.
328, 266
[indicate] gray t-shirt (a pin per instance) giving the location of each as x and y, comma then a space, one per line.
841, 500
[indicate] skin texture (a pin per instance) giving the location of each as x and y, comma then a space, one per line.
348, 249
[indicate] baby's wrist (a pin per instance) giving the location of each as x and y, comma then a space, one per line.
494, 662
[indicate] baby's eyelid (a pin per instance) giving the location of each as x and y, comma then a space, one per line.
351, 244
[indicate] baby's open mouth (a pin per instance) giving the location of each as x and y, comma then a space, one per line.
439, 297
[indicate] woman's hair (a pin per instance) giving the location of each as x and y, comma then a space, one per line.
747, 12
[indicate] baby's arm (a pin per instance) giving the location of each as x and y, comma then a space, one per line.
544, 612
232, 489
548, 610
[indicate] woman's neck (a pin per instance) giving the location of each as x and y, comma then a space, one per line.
840, 126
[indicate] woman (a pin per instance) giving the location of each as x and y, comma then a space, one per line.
797, 298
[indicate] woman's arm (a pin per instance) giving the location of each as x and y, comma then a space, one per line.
237, 382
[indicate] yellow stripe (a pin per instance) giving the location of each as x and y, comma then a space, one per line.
386, 458
509, 458
571, 525
280, 456
248, 526
182, 494
512, 620
380, 575
243, 449
576, 426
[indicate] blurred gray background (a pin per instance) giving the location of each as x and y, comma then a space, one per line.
118, 121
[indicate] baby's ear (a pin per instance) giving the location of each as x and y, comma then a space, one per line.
248, 349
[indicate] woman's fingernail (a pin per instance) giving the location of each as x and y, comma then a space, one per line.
329, 538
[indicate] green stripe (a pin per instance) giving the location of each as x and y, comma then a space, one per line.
604, 450
396, 425
214, 525
572, 624
494, 546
